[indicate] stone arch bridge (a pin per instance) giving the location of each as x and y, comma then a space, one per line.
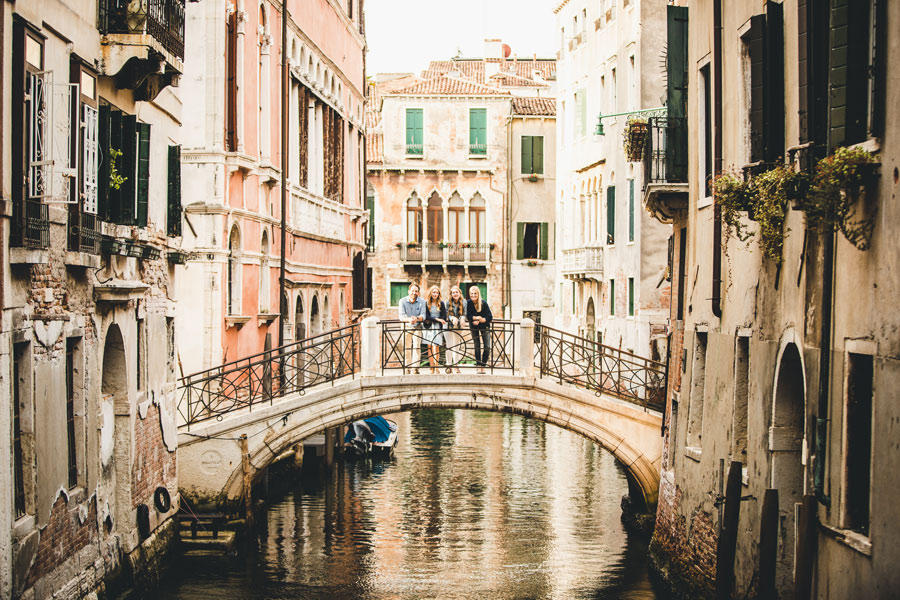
280, 397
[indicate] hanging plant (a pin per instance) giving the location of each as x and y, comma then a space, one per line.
839, 192
734, 196
770, 207
635, 138
115, 180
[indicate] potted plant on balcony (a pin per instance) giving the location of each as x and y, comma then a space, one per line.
533, 262
842, 195
772, 189
533, 177
635, 138
734, 196
115, 180
412, 244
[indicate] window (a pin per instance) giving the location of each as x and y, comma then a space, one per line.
631, 210
632, 84
414, 220
370, 206
580, 113
478, 131
611, 214
71, 348
741, 397
612, 297
682, 271
477, 222
631, 296
399, 289
84, 226
234, 272
764, 43
858, 442
173, 202
231, 87
435, 218
613, 91
532, 241
350, 9
698, 387
123, 184
170, 348
705, 146
264, 285
532, 154
534, 315
456, 215
414, 132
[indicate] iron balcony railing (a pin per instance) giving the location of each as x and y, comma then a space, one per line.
84, 232
414, 149
478, 149
161, 19
30, 224
263, 377
665, 160
445, 253
603, 369
404, 346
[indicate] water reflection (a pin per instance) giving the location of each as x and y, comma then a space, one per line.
474, 505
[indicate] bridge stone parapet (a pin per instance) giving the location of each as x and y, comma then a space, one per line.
209, 455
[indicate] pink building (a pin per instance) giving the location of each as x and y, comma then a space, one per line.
232, 180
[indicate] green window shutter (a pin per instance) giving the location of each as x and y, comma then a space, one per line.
756, 40
398, 290
631, 210
143, 174
631, 296
879, 67
127, 168
611, 214
545, 241
612, 297
173, 214
103, 123
676, 63
803, 87
537, 154
527, 149
370, 205
477, 131
414, 134
773, 130
520, 241
849, 53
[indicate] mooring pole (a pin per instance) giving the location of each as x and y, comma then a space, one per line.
248, 481
728, 535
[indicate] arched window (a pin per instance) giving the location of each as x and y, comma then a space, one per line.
234, 272
299, 320
477, 224
435, 227
414, 219
314, 325
326, 315
264, 284
456, 224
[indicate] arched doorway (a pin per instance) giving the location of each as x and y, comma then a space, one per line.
115, 436
314, 318
326, 316
591, 319
299, 322
785, 444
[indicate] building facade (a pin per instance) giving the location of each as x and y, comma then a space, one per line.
611, 280
782, 353
440, 171
90, 230
233, 176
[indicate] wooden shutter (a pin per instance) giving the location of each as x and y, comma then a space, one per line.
879, 67
631, 296
303, 135
631, 210
612, 297
143, 174
103, 162
173, 214
527, 149
127, 167
537, 154
676, 60
611, 214
849, 54
803, 70
477, 130
545, 241
520, 241
773, 129
414, 130
756, 42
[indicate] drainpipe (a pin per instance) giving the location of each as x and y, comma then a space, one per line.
824, 368
507, 264
717, 158
285, 106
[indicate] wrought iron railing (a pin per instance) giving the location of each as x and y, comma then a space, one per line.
414, 149
161, 19
757, 168
84, 232
665, 160
266, 376
603, 369
404, 346
30, 224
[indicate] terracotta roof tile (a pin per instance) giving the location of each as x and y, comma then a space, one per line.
534, 106
442, 85
474, 68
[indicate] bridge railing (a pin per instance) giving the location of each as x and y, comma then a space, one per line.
404, 346
266, 376
584, 363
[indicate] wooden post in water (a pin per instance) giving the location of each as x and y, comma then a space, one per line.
806, 548
728, 535
329, 446
298, 456
248, 482
768, 545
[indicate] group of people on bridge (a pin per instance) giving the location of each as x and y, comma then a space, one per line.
436, 323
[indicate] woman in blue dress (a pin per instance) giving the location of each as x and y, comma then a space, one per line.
435, 320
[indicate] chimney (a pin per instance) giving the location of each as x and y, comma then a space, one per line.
493, 48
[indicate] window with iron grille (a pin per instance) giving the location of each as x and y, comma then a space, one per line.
124, 176
84, 224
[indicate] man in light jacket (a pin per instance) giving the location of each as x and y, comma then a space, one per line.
412, 311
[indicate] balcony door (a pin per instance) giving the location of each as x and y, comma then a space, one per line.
435, 227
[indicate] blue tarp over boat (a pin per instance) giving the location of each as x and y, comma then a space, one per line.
381, 429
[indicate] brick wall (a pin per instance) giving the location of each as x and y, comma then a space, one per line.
63, 537
154, 465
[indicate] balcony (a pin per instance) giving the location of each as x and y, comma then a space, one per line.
84, 232
414, 150
143, 43
30, 225
433, 253
665, 168
583, 263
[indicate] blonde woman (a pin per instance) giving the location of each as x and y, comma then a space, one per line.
456, 314
479, 316
435, 320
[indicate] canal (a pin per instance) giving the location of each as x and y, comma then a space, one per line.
473, 505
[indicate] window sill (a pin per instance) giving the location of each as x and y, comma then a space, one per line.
264, 318
705, 202
414, 156
533, 177
851, 539
478, 156
693, 452
22, 527
28, 256
236, 320
82, 259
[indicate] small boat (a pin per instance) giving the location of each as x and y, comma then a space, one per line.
374, 436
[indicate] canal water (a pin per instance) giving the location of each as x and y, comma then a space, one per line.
473, 505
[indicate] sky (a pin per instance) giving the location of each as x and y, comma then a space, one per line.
404, 35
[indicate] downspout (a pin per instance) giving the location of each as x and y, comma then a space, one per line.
285, 106
824, 368
717, 158
507, 264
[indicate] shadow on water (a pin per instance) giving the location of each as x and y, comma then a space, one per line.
474, 505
